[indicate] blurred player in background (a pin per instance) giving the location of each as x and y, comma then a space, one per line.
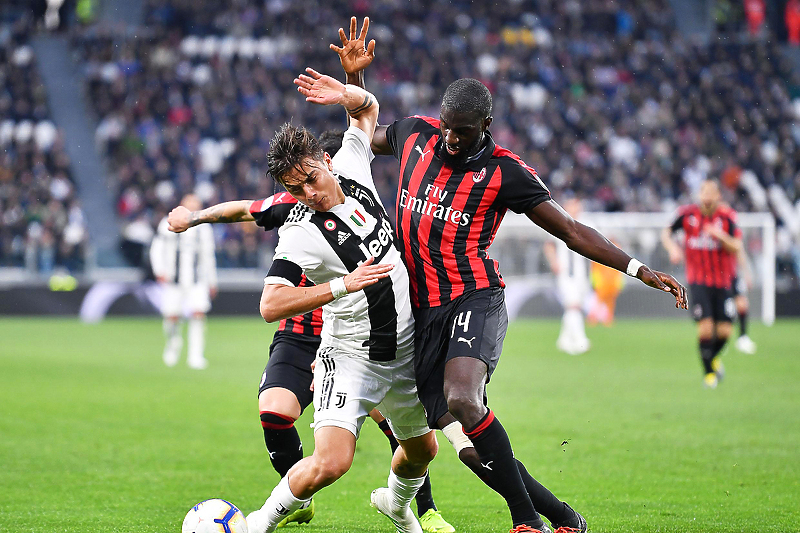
572, 283
711, 243
285, 388
607, 284
186, 267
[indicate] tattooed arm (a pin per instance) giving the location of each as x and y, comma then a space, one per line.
180, 219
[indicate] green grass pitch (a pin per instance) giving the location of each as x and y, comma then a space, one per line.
96, 435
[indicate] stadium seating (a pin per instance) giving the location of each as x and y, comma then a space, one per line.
605, 99
41, 221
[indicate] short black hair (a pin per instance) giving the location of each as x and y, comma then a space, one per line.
331, 140
290, 146
468, 96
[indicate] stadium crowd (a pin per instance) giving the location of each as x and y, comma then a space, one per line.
603, 97
42, 225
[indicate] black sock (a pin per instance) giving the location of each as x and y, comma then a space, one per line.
384, 425
718, 345
707, 353
743, 324
283, 442
424, 497
543, 500
494, 449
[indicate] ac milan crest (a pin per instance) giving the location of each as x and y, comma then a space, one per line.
479, 177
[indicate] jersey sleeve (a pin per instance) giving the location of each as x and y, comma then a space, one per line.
733, 228
271, 213
677, 220
521, 189
293, 256
397, 133
354, 157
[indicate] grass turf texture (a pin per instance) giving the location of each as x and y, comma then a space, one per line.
97, 435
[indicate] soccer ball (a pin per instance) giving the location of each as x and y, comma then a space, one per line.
214, 516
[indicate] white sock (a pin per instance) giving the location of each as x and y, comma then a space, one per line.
281, 503
174, 341
197, 339
573, 323
403, 489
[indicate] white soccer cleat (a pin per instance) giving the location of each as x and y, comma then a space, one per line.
403, 519
573, 346
198, 364
746, 345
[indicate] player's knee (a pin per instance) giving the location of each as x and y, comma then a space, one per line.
280, 401
464, 406
329, 468
723, 330
427, 450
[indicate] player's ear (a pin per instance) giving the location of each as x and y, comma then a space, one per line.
486, 122
328, 162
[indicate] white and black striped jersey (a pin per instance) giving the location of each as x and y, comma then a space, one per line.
377, 322
184, 258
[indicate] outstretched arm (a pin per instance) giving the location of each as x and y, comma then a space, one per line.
591, 244
356, 54
283, 301
361, 106
180, 219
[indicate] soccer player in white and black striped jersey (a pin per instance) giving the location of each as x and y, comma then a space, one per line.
340, 238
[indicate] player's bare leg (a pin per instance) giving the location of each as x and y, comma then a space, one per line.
332, 458
430, 518
464, 380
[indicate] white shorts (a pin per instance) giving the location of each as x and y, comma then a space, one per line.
572, 291
347, 387
178, 300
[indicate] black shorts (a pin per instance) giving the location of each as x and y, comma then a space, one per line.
289, 365
472, 325
711, 302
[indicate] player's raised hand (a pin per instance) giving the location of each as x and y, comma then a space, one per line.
365, 275
353, 53
179, 219
319, 88
666, 283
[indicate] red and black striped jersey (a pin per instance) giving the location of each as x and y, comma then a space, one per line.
707, 262
447, 217
271, 213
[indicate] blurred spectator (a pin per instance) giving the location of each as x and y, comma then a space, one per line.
792, 14
755, 12
603, 97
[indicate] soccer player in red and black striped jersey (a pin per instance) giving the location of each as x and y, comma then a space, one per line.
455, 186
711, 242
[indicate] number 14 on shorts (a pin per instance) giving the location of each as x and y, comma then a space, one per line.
462, 321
